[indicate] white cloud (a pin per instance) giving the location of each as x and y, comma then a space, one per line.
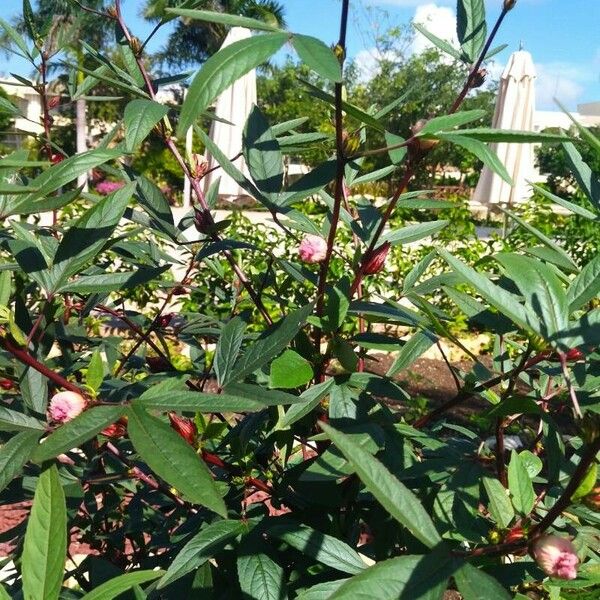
439, 20
562, 80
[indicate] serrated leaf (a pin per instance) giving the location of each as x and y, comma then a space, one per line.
474, 584
290, 370
203, 546
11, 420
318, 56
310, 400
413, 233
471, 27
270, 344
228, 348
261, 578
223, 18
45, 546
262, 153
487, 156
115, 587
443, 45
15, 453
95, 371
322, 547
173, 459
586, 286
499, 505
419, 343
519, 484
224, 68
391, 493
410, 577
140, 117
111, 282
77, 431
446, 122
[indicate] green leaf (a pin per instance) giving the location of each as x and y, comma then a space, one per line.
17, 39
290, 370
260, 577
443, 45
15, 453
587, 483
262, 153
543, 293
270, 344
471, 27
228, 348
7, 107
111, 282
586, 286
474, 584
419, 343
574, 208
318, 56
548, 242
140, 117
310, 400
89, 234
77, 431
392, 494
34, 388
11, 420
410, 577
586, 178
45, 546
321, 591
322, 547
223, 18
499, 506
68, 170
396, 155
511, 136
95, 371
210, 540
519, 484
504, 301
480, 150
224, 68
413, 233
115, 587
173, 459
445, 122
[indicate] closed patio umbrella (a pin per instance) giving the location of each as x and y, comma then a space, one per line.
515, 108
233, 105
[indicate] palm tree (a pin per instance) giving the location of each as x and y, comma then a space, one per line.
193, 41
83, 26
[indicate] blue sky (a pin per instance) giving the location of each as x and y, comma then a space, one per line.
562, 35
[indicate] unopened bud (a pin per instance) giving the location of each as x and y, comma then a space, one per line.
509, 4
6, 384
53, 102
351, 143
574, 354
203, 220
373, 262
421, 143
339, 52
199, 166
111, 11
556, 556
56, 158
185, 427
164, 320
478, 78
136, 45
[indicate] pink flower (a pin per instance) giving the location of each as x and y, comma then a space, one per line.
65, 406
556, 556
108, 187
313, 249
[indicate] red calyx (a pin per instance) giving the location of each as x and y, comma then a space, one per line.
56, 158
157, 364
185, 427
373, 262
6, 384
164, 320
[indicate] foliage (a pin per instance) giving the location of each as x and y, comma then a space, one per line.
213, 431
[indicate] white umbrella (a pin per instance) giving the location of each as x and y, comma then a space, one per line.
233, 105
515, 108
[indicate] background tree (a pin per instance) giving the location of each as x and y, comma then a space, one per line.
192, 41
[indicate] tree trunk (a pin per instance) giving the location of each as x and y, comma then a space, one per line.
81, 139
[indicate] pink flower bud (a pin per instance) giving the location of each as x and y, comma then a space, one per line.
65, 406
556, 556
373, 262
313, 249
